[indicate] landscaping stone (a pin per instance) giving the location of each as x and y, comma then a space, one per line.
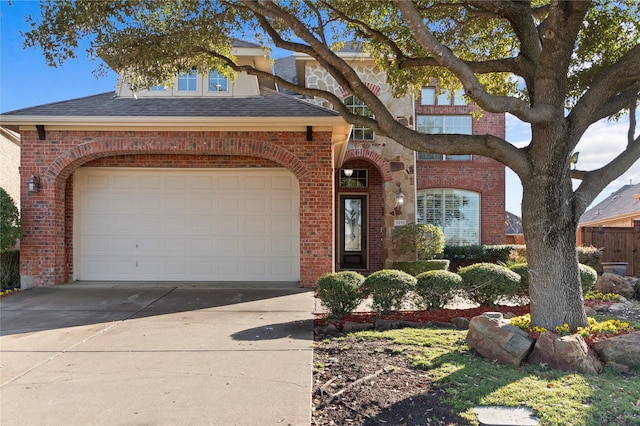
503, 416
461, 323
327, 330
567, 353
382, 325
613, 283
495, 338
623, 349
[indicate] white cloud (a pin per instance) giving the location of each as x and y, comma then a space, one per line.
602, 142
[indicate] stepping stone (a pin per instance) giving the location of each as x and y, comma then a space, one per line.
505, 416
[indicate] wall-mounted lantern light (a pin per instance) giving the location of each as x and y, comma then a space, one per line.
347, 172
400, 199
33, 184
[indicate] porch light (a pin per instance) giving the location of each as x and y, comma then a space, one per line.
400, 199
347, 172
33, 184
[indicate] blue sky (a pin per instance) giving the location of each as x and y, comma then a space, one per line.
25, 80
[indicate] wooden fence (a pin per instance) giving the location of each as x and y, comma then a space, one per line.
619, 244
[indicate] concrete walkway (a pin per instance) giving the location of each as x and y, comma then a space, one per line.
105, 354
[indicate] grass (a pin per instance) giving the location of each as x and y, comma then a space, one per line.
557, 397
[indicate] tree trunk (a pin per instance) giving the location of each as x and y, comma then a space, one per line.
550, 235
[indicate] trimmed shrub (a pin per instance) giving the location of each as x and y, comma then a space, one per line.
424, 240
462, 256
420, 266
388, 289
9, 221
522, 269
9, 269
434, 289
588, 277
340, 292
486, 282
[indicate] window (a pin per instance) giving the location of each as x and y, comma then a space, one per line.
428, 96
455, 212
458, 98
439, 124
350, 178
188, 81
218, 82
444, 98
358, 107
158, 88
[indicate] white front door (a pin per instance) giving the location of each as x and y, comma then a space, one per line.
186, 224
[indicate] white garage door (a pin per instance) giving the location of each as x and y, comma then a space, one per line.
191, 225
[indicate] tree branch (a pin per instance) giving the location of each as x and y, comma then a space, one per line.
473, 88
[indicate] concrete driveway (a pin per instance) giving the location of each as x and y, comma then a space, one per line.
115, 354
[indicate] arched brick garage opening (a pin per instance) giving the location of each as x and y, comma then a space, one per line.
49, 258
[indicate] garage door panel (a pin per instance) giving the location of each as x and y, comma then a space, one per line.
174, 224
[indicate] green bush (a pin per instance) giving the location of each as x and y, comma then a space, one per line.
522, 269
340, 292
462, 256
9, 269
486, 282
9, 221
434, 289
424, 240
420, 266
388, 289
590, 256
588, 277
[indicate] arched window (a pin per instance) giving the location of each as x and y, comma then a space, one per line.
455, 211
358, 107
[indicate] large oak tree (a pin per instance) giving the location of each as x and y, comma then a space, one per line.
558, 65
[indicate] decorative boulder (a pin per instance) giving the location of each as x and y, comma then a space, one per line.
567, 353
623, 349
613, 283
495, 338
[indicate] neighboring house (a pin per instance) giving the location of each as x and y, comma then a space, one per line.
10, 163
619, 209
229, 180
515, 233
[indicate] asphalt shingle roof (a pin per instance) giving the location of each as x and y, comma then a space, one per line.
269, 104
619, 203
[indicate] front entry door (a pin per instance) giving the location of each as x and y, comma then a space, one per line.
353, 232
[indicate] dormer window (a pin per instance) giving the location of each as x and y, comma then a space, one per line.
218, 82
188, 81
158, 88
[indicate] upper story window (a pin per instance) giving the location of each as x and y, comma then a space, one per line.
188, 81
455, 212
439, 124
358, 107
218, 82
158, 88
428, 96
458, 98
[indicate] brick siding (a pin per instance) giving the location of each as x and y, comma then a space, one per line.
47, 240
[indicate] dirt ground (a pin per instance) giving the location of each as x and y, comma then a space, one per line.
370, 384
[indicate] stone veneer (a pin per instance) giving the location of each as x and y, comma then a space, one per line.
400, 160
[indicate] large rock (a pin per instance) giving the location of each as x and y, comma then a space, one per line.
623, 349
495, 338
613, 283
568, 353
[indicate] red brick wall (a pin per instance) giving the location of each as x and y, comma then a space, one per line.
483, 175
47, 216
